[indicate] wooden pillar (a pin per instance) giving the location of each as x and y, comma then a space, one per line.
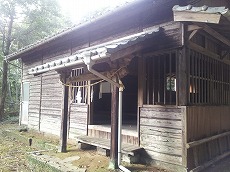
182, 68
141, 86
183, 79
64, 114
90, 105
114, 129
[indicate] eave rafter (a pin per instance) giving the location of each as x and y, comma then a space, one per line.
214, 33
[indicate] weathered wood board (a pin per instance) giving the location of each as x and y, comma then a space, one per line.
78, 120
161, 133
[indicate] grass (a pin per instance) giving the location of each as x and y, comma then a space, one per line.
14, 147
13, 153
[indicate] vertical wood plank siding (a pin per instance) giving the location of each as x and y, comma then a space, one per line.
52, 95
208, 74
161, 133
35, 89
204, 122
46, 98
51, 101
78, 120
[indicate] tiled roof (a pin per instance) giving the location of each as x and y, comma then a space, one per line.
97, 52
218, 18
65, 31
204, 9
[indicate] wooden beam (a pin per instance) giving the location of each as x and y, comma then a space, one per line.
192, 34
141, 86
64, 114
126, 52
225, 54
209, 163
215, 34
202, 50
89, 76
83, 77
135, 49
182, 72
196, 143
197, 17
184, 136
193, 27
90, 105
114, 129
182, 78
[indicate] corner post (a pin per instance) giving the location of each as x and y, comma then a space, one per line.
182, 67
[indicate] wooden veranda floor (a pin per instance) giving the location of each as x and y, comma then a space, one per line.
105, 144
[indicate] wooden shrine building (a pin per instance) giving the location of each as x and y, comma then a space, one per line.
172, 58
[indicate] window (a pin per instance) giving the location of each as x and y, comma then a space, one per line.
161, 79
78, 91
209, 80
171, 83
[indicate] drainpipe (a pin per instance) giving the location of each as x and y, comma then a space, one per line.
88, 61
121, 89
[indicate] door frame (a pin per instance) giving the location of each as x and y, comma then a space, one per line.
21, 122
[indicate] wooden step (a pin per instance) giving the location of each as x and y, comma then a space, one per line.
105, 144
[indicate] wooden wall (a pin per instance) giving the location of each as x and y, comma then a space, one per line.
35, 91
52, 95
204, 122
51, 101
127, 137
161, 133
77, 120
192, 137
46, 98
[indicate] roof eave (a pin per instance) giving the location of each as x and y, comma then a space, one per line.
45, 41
202, 14
96, 53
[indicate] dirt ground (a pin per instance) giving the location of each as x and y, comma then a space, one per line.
13, 153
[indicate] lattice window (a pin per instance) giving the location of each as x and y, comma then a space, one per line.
161, 79
209, 80
78, 91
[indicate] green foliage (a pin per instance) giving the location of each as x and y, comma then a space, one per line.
23, 22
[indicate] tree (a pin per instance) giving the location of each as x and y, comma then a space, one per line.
23, 22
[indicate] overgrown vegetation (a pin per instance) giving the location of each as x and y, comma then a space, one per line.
12, 153
22, 22
14, 148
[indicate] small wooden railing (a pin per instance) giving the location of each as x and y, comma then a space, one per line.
194, 145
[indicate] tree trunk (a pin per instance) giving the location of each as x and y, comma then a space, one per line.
5, 68
4, 89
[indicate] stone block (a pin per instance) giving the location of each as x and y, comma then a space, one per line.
131, 159
102, 151
85, 146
